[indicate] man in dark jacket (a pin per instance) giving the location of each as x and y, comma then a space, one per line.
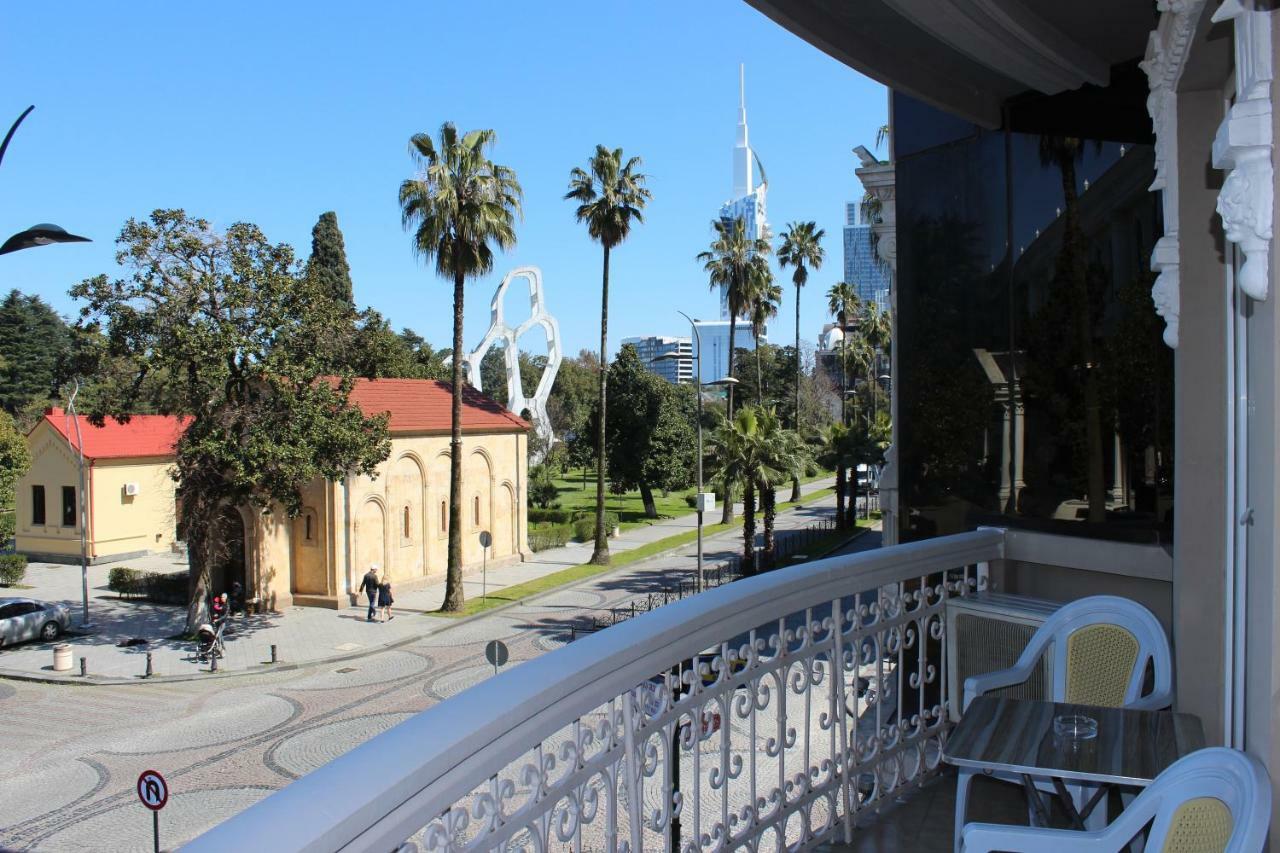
369, 586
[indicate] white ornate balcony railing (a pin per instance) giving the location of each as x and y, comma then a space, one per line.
594, 746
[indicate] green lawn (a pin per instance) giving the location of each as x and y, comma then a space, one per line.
629, 506
518, 592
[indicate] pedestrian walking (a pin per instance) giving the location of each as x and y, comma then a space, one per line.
369, 586
385, 600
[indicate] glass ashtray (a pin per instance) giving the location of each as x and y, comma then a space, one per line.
1075, 727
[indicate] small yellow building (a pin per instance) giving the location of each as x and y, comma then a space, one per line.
130, 493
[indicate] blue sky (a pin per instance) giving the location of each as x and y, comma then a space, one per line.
275, 112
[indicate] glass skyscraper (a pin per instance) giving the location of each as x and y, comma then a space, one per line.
861, 266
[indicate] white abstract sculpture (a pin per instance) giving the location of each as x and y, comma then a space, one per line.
499, 331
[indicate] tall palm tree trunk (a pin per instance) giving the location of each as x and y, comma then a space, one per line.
453, 595
1092, 403
726, 512
600, 555
755, 337
844, 374
840, 494
768, 507
749, 526
795, 481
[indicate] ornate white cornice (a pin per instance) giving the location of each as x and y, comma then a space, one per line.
879, 180
1167, 49
1242, 147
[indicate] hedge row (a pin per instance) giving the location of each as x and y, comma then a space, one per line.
153, 586
549, 536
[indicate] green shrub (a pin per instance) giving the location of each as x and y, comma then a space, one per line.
123, 580
544, 537
12, 568
542, 486
550, 516
584, 528
166, 588
692, 501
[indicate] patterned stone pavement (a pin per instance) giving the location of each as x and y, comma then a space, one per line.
69, 756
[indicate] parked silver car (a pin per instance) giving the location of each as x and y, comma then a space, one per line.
27, 619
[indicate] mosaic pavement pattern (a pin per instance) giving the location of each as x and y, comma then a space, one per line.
69, 756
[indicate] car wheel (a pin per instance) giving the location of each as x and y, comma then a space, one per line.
50, 631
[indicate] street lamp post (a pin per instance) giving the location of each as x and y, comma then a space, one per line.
84, 513
43, 234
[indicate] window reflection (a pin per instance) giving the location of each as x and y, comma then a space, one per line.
1034, 385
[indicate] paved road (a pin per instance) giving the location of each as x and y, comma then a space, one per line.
69, 756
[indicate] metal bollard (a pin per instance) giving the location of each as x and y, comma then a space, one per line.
274, 658
213, 662
150, 671
84, 667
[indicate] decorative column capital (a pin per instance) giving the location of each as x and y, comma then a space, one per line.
880, 181
1242, 148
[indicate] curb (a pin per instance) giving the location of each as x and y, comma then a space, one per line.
264, 668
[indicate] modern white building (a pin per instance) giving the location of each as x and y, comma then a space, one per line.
714, 335
651, 350
748, 201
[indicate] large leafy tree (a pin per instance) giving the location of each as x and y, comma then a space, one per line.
611, 195
650, 430
33, 340
460, 206
224, 318
14, 462
328, 261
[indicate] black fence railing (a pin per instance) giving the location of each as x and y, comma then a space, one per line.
791, 546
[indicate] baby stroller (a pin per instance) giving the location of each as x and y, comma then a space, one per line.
209, 641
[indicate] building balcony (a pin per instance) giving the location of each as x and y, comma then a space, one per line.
805, 708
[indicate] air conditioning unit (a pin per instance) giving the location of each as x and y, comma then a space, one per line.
987, 632
130, 490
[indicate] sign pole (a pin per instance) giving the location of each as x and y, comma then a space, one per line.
486, 539
155, 828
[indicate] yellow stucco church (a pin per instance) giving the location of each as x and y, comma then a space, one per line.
397, 520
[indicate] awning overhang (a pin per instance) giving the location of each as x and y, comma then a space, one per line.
969, 57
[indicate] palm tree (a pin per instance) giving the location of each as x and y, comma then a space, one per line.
834, 454
878, 329
740, 264
459, 206
782, 454
764, 305
801, 248
610, 196
844, 304
736, 448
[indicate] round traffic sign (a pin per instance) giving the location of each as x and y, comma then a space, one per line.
152, 790
485, 539
495, 651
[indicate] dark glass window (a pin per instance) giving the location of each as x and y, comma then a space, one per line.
69, 506
37, 505
1035, 389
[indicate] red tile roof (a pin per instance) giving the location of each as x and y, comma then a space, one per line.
142, 436
415, 405
423, 405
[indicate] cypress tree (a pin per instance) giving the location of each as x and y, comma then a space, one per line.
328, 262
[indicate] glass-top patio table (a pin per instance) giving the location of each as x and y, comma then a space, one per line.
1016, 736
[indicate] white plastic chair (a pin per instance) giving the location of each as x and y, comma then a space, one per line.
1215, 799
1101, 647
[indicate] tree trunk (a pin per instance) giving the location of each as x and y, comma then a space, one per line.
755, 336
200, 554
1092, 404
600, 555
795, 494
844, 375
646, 495
748, 526
453, 594
726, 512
768, 505
840, 495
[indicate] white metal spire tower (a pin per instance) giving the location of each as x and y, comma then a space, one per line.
743, 179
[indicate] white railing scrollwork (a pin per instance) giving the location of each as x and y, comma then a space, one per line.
770, 713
